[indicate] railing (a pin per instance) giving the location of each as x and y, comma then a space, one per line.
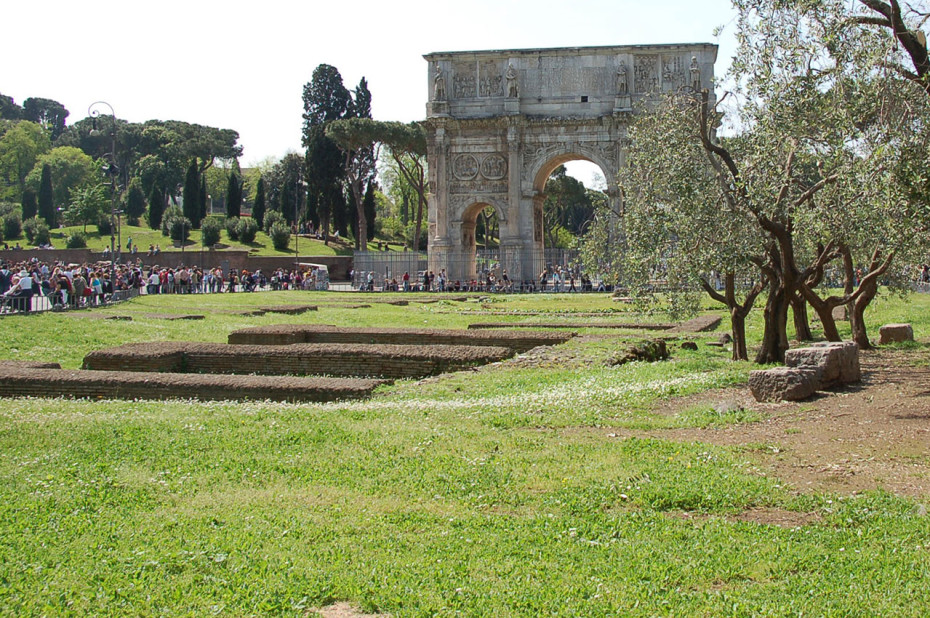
41, 303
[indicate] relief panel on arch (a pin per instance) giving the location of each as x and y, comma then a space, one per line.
478, 173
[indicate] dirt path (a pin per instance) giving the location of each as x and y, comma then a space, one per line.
873, 436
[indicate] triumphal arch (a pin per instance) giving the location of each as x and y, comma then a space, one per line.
500, 122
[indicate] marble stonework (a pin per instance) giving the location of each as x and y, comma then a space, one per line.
499, 122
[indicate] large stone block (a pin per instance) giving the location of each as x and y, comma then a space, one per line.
837, 360
784, 383
894, 333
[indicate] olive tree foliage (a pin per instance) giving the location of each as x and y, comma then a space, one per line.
822, 169
682, 236
835, 124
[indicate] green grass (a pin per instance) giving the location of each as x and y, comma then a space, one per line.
145, 237
499, 492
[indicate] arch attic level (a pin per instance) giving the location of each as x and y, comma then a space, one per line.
499, 122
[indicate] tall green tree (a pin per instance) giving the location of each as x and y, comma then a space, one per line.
9, 110
87, 204
135, 201
70, 169
30, 206
234, 196
370, 210
258, 208
46, 196
202, 199
406, 170
20, 148
325, 99
191, 193
156, 207
46, 112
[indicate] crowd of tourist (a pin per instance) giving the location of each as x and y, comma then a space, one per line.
73, 286
554, 279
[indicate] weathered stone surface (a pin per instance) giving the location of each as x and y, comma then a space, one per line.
725, 338
337, 359
650, 351
689, 345
838, 361
281, 334
841, 313
784, 383
20, 382
895, 333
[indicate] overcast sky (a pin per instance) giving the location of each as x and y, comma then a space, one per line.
217, 64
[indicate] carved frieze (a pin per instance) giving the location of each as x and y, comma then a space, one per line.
490, 82
494, 167
464, 83
465, 167
673, 74
645, 73
482, 173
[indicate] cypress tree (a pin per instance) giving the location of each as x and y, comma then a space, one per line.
46, 201
30, 207
369, 206
233, 196
135, 201
258, 209
203, 201
191, 193
156, 207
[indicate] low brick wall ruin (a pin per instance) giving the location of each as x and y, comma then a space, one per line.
282, 334
357, 360
26, 382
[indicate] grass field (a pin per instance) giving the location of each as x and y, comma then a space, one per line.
145, 236
499, 492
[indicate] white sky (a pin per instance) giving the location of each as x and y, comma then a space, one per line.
218, 64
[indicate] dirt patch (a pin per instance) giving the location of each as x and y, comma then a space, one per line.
875, 435
343, 610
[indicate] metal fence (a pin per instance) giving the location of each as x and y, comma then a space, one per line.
40, 303
376, 270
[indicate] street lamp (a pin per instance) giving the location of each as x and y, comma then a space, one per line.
112, 170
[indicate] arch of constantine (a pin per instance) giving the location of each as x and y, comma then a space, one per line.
500, 122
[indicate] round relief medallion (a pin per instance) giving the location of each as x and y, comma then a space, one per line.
465, 167
494, 167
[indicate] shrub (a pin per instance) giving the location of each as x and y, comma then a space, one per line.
104, 225
29, 228
179, 228
12, 227
280, 235
76, 241
172, 212
42, 236
232, 228
272, 217
211, 230
247, 229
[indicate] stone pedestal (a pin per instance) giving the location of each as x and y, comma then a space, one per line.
623, 103
511, 107
895, 333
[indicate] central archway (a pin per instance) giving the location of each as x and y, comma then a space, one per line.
499, 122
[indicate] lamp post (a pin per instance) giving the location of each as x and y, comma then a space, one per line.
112, 170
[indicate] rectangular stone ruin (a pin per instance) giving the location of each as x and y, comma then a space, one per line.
282, 334
807, 370
895, 333
358, 360
28, 382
